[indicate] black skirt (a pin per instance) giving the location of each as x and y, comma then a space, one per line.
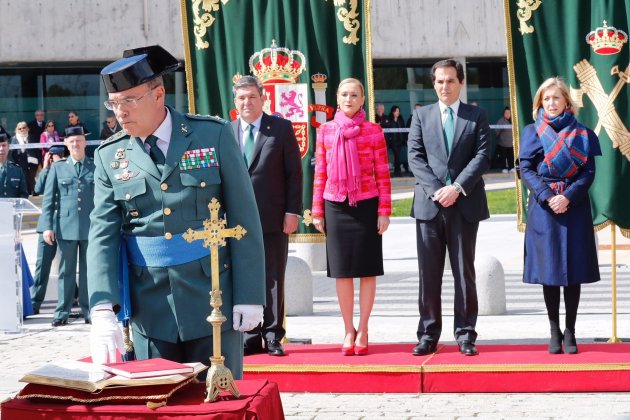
353, 246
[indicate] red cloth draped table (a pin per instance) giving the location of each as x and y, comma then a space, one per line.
259, 399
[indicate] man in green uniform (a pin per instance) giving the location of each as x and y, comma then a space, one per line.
45, 253
154, 180
12, 180
68, 201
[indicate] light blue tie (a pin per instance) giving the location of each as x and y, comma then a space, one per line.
248, 151
449, 134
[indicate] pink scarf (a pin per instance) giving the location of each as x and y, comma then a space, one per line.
345, 172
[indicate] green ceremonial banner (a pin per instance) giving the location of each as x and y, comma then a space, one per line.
300, 49
586, 43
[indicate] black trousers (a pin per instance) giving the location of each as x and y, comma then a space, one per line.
276, 251
448, 230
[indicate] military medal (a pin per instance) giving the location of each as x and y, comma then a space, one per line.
198, 158
126, 175
123, 164
114, 164
120, 153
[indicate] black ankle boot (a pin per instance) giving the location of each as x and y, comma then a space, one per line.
570, 346
555, 343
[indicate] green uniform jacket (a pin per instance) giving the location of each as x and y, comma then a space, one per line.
172, 303
14, 185
40, 188
72, 196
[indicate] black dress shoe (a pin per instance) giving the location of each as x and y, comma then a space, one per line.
424, 347
468, 349
274, 348
59, 322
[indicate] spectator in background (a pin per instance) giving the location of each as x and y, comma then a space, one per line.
505, 144
50, 135
110, 127
27, 159
381, 118
45, 252
36, 128
397, 139
416, 107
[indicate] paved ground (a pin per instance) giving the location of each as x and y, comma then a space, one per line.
394, 320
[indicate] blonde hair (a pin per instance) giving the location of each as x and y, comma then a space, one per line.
549, 83
351, 80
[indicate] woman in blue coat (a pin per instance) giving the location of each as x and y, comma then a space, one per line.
558, 167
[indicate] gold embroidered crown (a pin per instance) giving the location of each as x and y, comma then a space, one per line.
607, 40
318, 78
277, 64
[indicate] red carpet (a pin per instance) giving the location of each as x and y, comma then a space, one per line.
498, 368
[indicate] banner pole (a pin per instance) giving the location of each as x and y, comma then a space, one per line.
613, 260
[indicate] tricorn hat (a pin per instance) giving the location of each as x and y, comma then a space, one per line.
137, 66
3, 136
57, 150
75, 130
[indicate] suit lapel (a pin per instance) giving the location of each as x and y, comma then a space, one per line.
265, 131
463, 117
137, 154
181, 136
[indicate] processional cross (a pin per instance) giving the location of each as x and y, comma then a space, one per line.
213, 235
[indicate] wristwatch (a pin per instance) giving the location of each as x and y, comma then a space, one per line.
458, 188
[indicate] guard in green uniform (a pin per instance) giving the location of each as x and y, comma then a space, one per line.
72, 182
45, 253
12, 180
154, 180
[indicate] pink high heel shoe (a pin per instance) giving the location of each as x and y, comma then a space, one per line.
349, 350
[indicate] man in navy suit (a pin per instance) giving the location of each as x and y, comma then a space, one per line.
273, 160
448, 154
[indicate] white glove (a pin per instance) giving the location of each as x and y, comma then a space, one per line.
105, 336
246, 317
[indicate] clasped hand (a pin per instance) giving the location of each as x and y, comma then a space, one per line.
446, 196
558, 204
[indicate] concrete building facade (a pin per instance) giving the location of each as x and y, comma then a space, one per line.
51, 52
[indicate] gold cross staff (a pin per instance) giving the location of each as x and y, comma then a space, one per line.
213, 234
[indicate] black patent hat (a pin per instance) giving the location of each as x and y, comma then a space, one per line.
57, 150
137, 66
4, 136
76, 130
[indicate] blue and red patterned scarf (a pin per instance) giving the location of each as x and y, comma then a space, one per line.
565, 142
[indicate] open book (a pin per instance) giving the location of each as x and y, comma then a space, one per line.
89, 377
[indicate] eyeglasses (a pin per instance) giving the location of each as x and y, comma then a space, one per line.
22, 128
50, 125
129, 102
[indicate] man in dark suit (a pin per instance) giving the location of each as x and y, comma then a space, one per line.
110, 127
448, 154
273, 160
37, 126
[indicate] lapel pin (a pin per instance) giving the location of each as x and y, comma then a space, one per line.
184, 128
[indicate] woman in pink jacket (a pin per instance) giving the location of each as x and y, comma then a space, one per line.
352, 205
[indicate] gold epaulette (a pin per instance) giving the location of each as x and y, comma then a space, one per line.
214, 118
116, 136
